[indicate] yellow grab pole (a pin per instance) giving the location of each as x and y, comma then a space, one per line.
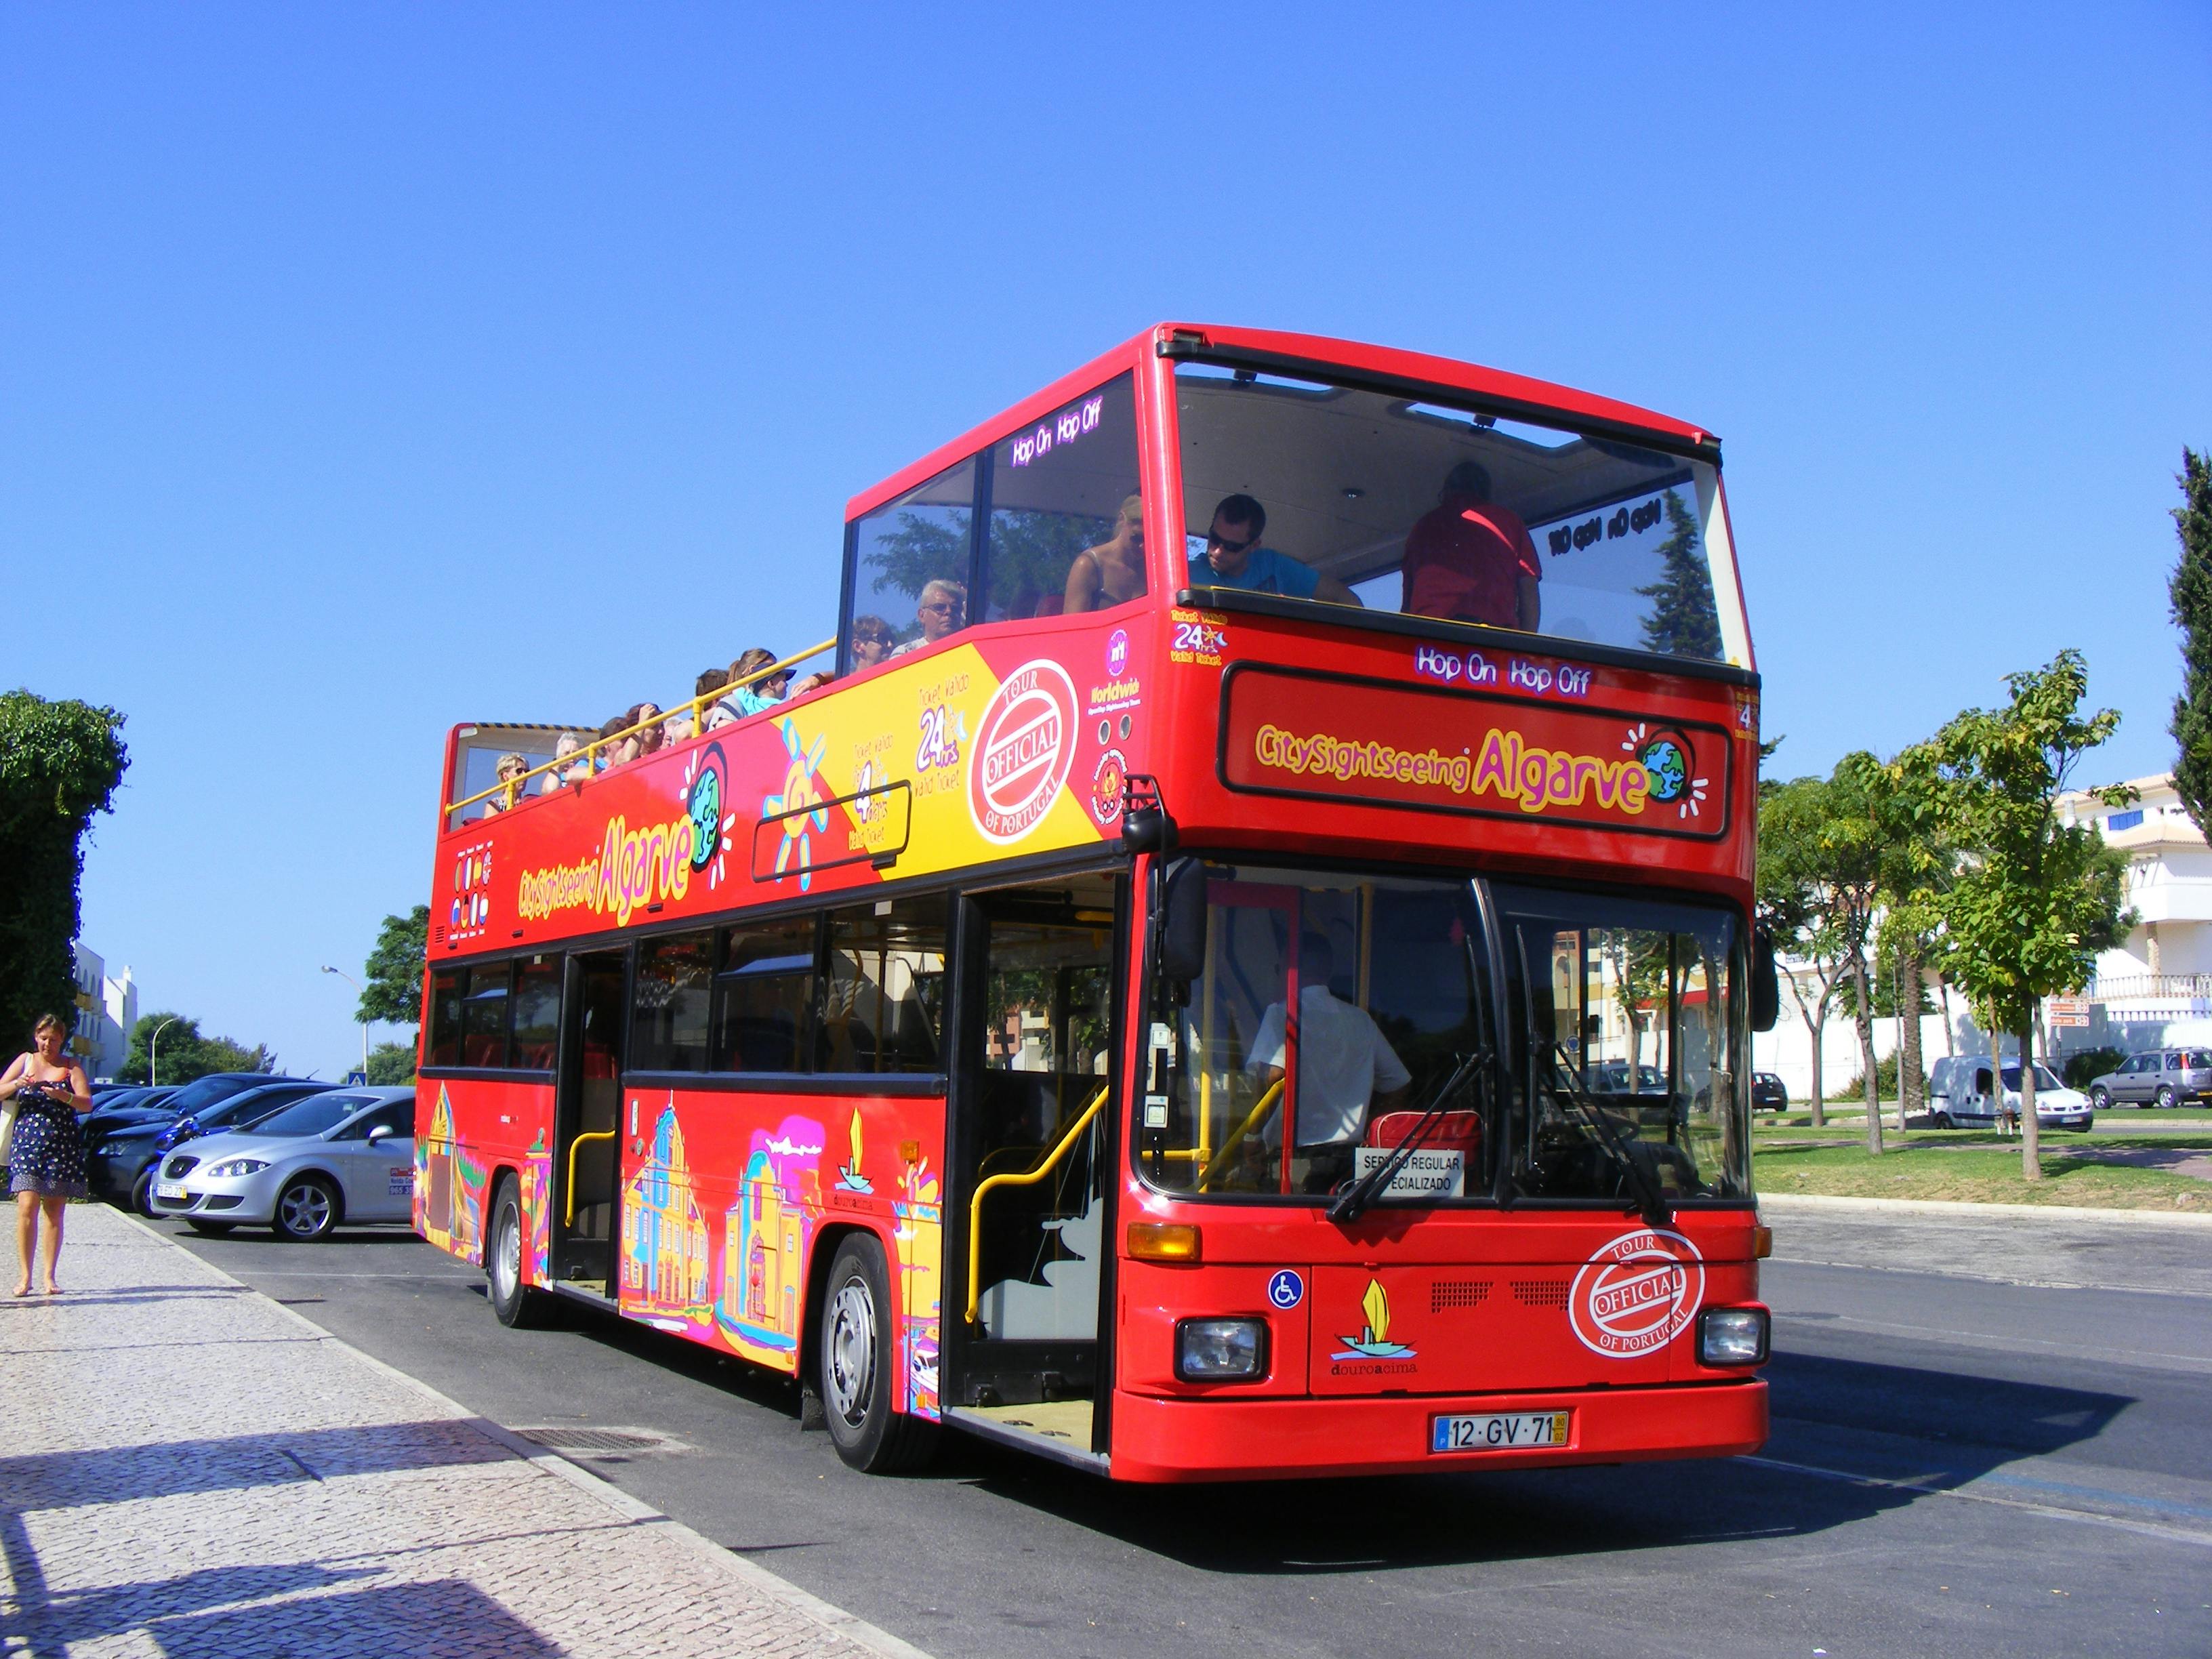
568, 1192
1024, 1178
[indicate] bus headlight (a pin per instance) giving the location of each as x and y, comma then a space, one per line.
1220, 1350
1732, 1336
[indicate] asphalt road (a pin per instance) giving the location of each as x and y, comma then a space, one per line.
1983, 1441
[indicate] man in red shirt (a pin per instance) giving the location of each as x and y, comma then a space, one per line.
1471, 560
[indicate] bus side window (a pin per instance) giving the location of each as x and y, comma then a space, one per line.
763, 997
1066, 530
447, 987
880, 1000
536, 1012
668, 1027
483, 1015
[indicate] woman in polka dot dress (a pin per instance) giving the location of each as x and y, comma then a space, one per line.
45, 1155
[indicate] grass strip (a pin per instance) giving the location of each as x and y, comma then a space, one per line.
1926, 1167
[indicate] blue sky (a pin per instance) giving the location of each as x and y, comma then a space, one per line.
364, 370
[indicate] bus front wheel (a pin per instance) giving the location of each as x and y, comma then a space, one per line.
519, 1306
859, 1365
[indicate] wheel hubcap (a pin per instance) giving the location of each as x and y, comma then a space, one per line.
307, 1209
507, 1261
850, 1376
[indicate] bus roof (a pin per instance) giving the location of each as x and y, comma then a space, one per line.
1289, 351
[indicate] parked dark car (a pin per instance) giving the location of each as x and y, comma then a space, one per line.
1767, 1094
119, 1164
134, 1105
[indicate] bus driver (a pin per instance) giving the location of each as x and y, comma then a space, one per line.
1346, 1068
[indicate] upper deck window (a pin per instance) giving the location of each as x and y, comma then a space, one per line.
1416, 507
910, 584
1048, 521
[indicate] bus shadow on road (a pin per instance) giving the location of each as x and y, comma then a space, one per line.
1848, 1436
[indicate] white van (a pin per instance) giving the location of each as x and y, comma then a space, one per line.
1960, 1095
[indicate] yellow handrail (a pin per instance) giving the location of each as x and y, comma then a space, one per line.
1027, 1177
576, 1145
519, 786
1252, 1120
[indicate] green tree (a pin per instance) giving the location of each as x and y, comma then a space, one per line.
185, 1054
2191, 591
392, 1063
1918, 860
392, 988
60, 763
2033, 900
1791, 905
929, 543
1684, 621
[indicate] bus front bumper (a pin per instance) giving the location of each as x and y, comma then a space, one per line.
1158, 1439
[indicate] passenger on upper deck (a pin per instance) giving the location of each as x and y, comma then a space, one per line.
509, 772
565, 748
752, 699
1347, 1067
653, 737
1467, 559
872, 639
712, 715
1234, 558
612, 755
943, 610
1114, 570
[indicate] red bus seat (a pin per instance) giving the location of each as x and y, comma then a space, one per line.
598, 1062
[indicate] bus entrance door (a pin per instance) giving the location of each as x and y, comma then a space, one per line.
1033, 1088
587, 1119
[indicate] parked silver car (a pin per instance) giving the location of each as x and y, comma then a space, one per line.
2158, 1076
348, 1155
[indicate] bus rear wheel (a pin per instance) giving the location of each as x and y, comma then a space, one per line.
519, 1306
860, 1368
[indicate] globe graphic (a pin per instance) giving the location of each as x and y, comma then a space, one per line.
1669, 768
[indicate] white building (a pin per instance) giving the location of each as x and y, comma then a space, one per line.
2157, 985
107, 1009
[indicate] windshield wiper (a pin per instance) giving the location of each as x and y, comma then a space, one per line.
1650, 1203
1353, 1200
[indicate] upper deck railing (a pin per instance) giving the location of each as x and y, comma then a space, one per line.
516, 789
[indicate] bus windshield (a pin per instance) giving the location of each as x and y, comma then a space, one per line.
1337, 1014
1316, 491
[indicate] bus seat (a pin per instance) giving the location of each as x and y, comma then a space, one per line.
598, 1062
1454, 1131
483, 1051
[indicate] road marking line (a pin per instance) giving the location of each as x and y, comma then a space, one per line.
2172, 1535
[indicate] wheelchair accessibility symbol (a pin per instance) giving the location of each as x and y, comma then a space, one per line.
1286, 1290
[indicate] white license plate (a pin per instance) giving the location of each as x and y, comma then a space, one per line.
168, 1189
1500, 1431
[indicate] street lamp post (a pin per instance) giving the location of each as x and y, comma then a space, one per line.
356, 983
154, 1053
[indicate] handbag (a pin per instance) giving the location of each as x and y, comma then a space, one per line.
7, 1128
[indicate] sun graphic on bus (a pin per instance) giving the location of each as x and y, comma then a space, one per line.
801, 790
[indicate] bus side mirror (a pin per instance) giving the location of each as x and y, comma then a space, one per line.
1765, 983
1179, 922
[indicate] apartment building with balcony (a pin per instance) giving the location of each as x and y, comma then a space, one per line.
2157, 985
107, 1009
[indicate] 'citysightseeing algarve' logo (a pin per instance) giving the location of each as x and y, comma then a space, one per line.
1637, 1294
1024, 745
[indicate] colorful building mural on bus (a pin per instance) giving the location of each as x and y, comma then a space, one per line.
765, 1238
919, 1233
664, 1269
449, 1187
537, 1211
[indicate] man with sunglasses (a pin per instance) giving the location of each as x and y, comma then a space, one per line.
1234, 558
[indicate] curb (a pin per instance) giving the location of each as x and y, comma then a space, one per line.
833, 1618
2006, 1212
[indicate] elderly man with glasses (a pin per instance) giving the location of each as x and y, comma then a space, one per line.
1234, 558
943, 610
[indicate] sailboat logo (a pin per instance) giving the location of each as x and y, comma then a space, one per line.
848, 1174
1373, 1342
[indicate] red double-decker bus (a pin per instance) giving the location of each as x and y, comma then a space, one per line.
1246, 970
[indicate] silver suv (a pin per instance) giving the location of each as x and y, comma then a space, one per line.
2158, 1076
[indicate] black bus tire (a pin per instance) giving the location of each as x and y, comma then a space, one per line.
520, 1306
859, 1365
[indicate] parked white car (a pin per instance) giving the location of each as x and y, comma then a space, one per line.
345, 1155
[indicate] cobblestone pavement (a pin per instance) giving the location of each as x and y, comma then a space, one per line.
188, 1470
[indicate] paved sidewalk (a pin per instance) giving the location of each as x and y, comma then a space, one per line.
187, 1468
